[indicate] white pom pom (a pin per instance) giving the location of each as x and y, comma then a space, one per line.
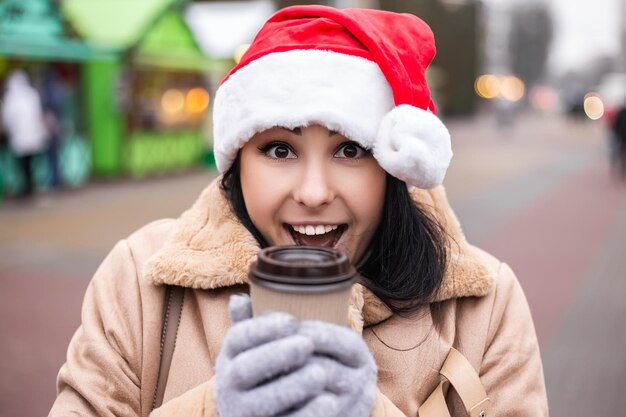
414, 146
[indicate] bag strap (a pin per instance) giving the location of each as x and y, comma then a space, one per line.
172, 311
460, 374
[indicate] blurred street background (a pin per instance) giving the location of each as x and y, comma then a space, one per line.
530, 90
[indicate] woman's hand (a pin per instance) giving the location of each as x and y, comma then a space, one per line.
264, 367
348, 364
275, 365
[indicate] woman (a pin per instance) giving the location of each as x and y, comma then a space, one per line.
326, 135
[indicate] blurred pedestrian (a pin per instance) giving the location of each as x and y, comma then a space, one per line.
505, 113
23, 121
618, 147
575, 105
326, 135
52, 94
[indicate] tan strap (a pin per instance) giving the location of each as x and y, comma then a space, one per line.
172, 311
435, 405
458, 372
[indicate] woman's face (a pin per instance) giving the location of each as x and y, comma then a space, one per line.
312, 186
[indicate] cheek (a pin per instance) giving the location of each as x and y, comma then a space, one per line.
373, 198
254, 189
366, 199
262, 194
367, 196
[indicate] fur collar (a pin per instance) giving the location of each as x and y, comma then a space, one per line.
209, 249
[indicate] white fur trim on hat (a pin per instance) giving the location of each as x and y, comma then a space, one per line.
345, 93
413, 145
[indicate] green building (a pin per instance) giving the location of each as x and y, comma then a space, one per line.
33, 38
147, 104
136, 85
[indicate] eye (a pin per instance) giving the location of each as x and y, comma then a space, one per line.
350, 150
278, 150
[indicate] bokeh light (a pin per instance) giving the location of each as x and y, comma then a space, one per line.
172, 101
487, 86
197, 100
508, 87
545, 99
593, 105
240, 51
511, 88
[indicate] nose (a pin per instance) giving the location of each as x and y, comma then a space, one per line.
314, 187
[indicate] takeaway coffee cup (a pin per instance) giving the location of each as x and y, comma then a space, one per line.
311, 283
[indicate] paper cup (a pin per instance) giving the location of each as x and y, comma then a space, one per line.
311, 283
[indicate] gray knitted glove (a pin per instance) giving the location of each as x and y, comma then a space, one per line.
275, 365
349, 367
264, 368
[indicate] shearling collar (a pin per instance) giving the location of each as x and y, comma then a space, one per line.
209, 248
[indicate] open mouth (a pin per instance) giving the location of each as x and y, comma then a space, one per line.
319, 235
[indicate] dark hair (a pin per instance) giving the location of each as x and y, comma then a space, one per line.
408, 254
231, 184
406, 260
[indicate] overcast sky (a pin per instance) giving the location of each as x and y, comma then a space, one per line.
583, 29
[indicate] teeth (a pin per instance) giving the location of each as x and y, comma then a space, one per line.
311, 230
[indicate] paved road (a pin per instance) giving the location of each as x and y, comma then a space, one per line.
539, 196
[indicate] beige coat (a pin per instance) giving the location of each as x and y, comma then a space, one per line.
113, 358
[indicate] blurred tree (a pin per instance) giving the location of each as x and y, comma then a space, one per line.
529, 41
599, 66
284, 3
458, 33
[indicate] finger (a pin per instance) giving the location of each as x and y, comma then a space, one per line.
285, 393
337, 341
257, 331
342, 379
239, 307
269, 361
322, 405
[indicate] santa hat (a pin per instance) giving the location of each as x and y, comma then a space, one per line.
359, 72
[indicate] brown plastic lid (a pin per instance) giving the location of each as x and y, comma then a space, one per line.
302, 266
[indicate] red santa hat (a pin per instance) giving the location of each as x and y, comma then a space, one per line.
360, 72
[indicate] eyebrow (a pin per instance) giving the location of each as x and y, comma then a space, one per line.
298, 131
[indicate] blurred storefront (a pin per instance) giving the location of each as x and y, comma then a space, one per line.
33, 38
153, 120
127, 80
